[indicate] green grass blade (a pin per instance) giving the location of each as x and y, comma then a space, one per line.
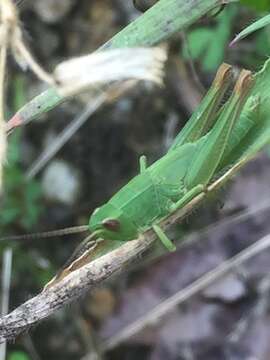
160, 22
259, 24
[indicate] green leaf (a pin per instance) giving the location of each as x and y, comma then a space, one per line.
208, 44
19, 92
18, 355
9, 215
259, 5
198, 41
259, 24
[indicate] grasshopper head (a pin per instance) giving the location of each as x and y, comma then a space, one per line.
110, 223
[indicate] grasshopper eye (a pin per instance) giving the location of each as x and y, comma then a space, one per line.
111, 224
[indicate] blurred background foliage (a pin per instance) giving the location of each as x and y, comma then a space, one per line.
143, 122
21, 202
262, 5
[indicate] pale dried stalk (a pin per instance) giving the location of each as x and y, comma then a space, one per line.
6, 23
3, 54
3, 57
69, 289
25, 59
6, 279
11, 37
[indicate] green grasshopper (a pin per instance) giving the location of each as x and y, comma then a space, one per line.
184, 172
213, 140
172, 181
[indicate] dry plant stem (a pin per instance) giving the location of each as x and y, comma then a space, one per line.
22, 50
6, 278
11, 37
3, 56
6, 23
69, 289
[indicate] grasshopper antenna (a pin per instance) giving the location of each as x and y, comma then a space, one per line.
47, 234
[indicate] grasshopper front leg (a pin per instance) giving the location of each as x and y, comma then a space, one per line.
187, 197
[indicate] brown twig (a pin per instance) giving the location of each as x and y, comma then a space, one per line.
69, 289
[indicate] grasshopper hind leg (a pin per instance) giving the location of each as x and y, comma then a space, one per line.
188, 197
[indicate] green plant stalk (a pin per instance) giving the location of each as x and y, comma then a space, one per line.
154, 26
160, 22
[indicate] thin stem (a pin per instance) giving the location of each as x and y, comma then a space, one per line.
6, 277
3, 59
20, 47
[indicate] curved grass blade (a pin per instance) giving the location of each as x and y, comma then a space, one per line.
259, 24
